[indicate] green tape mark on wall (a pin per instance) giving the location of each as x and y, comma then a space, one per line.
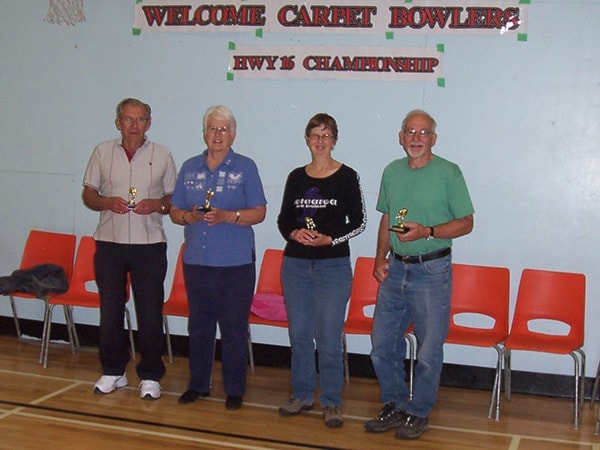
441, 82
440, 48
389, 35
522, 37
231, 45
258, 33
136, 31
525, 2
229, 76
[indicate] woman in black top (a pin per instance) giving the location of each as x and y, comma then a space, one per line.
322, 208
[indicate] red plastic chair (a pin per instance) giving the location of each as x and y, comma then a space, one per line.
177, 302
363, 297
481, 291
269, 282
44, 247
554, 296
82, 293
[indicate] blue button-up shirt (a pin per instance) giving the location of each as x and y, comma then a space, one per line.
237, 185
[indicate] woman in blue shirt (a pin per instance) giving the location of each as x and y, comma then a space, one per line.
219, 255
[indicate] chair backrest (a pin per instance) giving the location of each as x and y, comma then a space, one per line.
177, 302
82, 288
47, 247
554, 296
363, 295
269, 278
479, 291
268, 306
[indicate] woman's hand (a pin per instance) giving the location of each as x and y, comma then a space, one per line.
310, 238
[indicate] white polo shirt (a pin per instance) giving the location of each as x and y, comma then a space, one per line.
151, 171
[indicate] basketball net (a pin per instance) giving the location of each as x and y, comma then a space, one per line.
68, 12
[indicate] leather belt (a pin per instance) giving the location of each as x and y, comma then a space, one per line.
412, 259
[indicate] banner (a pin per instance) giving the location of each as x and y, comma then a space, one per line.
384, 17
390, 63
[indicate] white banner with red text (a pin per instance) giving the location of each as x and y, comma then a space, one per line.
385, 17
391, 63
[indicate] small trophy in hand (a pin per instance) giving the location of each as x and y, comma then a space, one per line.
400, 227
310, 224
132, 194
206, 208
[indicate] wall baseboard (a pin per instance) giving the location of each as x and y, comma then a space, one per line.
453, 375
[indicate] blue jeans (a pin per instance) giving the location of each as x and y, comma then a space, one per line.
419, 294
316, 292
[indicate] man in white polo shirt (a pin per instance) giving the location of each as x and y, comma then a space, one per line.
130, 180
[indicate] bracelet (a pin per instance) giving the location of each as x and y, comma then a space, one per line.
237, 217
185, 222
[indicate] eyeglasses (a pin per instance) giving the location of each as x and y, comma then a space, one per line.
138, 120
316, 137
421, 133
218, 130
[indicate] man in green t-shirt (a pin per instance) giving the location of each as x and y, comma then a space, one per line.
425, 204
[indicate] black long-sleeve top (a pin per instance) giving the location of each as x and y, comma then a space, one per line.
335, 204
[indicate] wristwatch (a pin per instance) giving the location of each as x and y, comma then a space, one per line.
430, 237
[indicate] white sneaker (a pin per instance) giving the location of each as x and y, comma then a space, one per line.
149, 389
108, 383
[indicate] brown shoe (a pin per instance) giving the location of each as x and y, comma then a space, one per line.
333, 417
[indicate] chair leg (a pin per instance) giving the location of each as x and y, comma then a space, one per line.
168, 338
495, 401
582, 378
412, 351
594, 394
15, 315
73, 328
579, 366
507, 374
131, 343
46, 334
345, 358
69, 323
250, 351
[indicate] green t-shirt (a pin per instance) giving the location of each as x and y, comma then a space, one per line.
433, 194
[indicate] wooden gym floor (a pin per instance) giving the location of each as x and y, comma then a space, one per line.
56, 408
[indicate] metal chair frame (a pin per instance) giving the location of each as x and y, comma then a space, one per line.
543, 294
78, 295
44, 247
485, 291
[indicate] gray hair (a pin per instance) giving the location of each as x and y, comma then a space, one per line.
219, 112
419, 112
133, 102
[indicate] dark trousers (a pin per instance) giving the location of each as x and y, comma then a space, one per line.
146, 265
219, 295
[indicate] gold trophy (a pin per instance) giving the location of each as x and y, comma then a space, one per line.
400, 227
132, 194
206, 208
310, 224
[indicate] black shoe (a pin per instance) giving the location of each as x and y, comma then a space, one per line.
233, 402
389, 417
412, 427
190, 396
